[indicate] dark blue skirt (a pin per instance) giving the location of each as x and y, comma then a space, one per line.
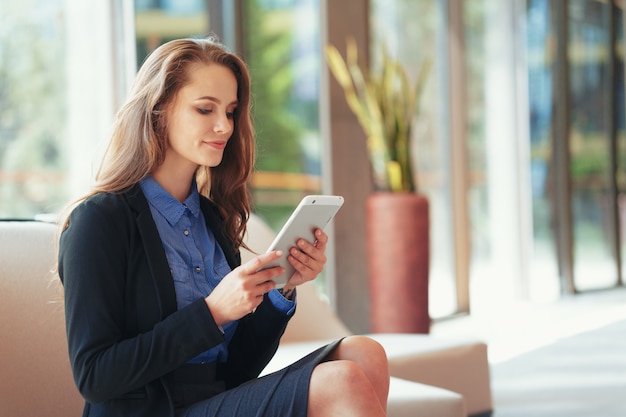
282, 393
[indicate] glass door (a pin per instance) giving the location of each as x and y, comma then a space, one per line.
540, 36
574, 57
592, 116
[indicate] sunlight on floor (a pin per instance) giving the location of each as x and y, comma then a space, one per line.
511, 329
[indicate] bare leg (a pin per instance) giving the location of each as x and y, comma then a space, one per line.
353, 382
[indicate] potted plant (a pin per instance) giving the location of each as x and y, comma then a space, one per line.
386, 105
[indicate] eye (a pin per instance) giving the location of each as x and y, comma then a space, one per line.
232, 112
204, 111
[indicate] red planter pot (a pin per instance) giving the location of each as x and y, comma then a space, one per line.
397, 231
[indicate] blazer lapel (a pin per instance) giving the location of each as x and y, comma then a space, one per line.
154, 251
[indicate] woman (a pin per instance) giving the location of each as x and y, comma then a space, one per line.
162, 320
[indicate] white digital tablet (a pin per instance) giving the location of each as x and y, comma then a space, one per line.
313, 212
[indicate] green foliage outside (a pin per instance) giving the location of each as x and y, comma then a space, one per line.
268, 55
286, 126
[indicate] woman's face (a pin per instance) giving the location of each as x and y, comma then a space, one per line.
200, 118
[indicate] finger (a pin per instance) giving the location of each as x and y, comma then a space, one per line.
257, 272
309, 250
306, 265
301, 256
266, 275
258, 262
318, 246
321, 239
265, 287
306, 272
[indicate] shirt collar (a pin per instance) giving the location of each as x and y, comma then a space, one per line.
170, 208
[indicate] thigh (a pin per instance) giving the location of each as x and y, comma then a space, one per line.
272, 395
282, 393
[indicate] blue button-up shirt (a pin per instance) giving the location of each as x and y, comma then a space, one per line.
196, 260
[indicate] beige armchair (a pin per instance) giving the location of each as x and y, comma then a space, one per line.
36, 376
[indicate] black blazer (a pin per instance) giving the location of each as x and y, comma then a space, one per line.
125, 333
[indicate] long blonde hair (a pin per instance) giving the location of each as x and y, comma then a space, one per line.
139, 139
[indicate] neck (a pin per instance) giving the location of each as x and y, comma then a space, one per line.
177, 183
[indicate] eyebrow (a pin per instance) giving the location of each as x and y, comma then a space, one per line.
216, 100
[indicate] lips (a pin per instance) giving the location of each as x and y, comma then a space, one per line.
221, 144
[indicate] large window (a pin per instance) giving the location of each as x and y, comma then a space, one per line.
281, 45
587, 129
32, 108
591, 87
157, 22
282, 48
63, 74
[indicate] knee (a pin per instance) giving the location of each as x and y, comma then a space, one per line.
369, 345
340, 377
364, 350
341, 387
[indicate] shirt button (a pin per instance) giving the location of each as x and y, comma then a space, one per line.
186, 232
197, 269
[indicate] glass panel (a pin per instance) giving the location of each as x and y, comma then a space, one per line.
498, 192
32, 107
594, 266
282, 48
424, 37
157, 22
478, 195
544, 274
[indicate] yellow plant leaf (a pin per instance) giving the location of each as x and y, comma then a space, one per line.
385, 104
394, 173
338, 67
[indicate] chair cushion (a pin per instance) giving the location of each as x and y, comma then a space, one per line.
412, 399
458, 365
36, 376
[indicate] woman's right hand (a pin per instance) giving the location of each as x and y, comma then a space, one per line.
242, 290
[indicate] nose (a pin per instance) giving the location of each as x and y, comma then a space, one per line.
223, 125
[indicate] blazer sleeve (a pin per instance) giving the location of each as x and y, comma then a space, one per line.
101, 266
254, 343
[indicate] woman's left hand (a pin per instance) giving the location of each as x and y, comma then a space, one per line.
308, 259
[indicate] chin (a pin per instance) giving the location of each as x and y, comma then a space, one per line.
210, 162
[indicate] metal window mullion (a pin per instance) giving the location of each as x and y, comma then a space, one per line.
458, 152
561, 157
225, 20
612, 134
